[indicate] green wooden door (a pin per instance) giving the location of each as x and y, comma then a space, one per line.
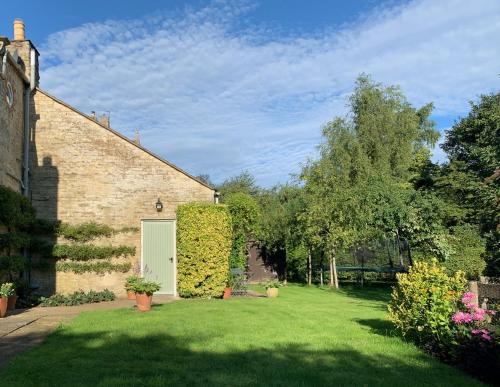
158, 253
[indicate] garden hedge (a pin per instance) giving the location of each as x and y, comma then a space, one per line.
203, 247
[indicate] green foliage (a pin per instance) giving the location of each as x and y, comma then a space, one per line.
474, 139
12, 265
140, 285
245, 216
15, 210
130, 282
242, 183
14, 240
474, 150
296, 262
85, 252
468, 250
272, 283
7, 289
203, 247
238, 256
84, 232
77, 298
423, 302
100, 267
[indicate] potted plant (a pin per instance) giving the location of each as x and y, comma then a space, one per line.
6, 290
144, 293
229, 287
11, 301
272, 287
129, 282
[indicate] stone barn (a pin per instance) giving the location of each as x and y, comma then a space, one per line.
75, 169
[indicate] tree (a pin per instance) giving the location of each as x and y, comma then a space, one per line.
359, 187
473, 148
206, 179
244, 183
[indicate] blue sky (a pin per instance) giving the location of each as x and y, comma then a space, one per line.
222, 86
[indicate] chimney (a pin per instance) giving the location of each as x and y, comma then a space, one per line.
137, 138
104, 120
25, 50
19, 30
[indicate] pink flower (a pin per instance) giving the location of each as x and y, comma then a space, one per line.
478, 315
458, 317
486, 337
471, 306
468, 297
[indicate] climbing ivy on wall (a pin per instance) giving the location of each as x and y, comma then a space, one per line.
203, 248
16, 217
85, 252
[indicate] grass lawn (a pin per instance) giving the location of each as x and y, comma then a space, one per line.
307, 336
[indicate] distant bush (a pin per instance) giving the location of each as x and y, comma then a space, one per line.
423, 301
77, 298
468, 250
203, 248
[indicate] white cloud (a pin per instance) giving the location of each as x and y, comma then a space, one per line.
217, 99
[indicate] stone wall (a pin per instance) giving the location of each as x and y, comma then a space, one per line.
11, 130
82, 171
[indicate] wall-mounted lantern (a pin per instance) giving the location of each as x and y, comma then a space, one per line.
216, 197
159, 205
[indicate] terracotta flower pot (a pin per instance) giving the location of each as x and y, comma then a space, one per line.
272, 292
227, 293
143, 301
11, 303
130, 295
3, 306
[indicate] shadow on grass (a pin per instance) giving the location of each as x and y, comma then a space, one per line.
109, 359
371, 292
378, 326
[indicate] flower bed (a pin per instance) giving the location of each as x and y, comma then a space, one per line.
433, 310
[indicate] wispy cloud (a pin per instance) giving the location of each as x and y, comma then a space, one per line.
216, 98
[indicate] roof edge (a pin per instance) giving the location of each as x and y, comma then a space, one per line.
125, 138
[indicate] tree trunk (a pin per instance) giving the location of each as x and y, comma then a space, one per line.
309, 268
333, 270
321, 271
399, 248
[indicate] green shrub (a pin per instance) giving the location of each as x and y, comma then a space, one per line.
16, 211
203, 248
423, 302
11, 264
85, 252
101, 267
245, 215
140, 285
468, 250
78, 298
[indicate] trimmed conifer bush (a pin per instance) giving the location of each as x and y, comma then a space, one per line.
203, 248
